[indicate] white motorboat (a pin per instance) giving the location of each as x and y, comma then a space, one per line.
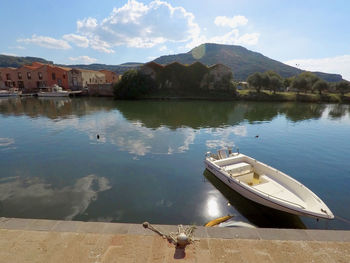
10, 93
55, 91
265, 185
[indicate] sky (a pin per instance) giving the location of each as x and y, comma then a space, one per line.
312, 35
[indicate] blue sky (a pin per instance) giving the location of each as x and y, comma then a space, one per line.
313, 34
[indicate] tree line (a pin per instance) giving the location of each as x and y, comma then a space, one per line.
304, 82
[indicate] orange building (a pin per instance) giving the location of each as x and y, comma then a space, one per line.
32, 77
7, 78
111, 77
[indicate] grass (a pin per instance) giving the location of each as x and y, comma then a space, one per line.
266, 95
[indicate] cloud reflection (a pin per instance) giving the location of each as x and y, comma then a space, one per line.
6, 142
132, 137
31, 195
225, 136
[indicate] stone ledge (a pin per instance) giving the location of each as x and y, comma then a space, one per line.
200, 232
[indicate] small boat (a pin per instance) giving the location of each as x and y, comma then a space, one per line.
10, 93
55, 91
265, 185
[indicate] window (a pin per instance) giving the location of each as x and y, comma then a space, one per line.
90, 80
0, 76
64, 76
40, 75
29, 75
19, 75
8, 76
53, 75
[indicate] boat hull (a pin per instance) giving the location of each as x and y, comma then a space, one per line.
262, 199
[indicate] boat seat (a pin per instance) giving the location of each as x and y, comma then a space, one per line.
222, 154
238, 169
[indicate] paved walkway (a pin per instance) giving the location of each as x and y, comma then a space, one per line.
27, 240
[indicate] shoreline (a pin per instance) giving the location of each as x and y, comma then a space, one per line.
262, 97
40, 240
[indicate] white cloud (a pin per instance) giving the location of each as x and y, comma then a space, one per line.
83, 59
80, 41
248, 39
9, 54
100, 45
231, 21
140, 25
231, 38
17, 47
47, 42
337, 65
163, 48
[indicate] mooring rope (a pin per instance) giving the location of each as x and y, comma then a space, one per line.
182, 237
343, 219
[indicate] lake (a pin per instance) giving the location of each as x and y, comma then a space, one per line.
97, 159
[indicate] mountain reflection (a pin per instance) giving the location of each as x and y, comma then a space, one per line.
173, 114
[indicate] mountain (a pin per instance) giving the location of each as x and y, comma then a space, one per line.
119, 69
12, 61
242, 61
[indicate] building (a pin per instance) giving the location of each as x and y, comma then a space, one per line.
33, 77
80, 78
7, 78
111, 77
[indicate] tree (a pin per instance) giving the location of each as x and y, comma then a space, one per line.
310, 79
288, 82
342, 87
258, 81
320, 85
304, 81
275, 81
133, 85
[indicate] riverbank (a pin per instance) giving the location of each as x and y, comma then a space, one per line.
292, 97
31, 240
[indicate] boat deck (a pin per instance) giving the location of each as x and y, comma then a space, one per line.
279, 192
245, 173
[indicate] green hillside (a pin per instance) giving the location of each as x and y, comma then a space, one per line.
119, 69
12, 61
242, 61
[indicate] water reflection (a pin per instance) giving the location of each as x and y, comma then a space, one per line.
152, 153
33, 197
338, 111
173, 114
256, 214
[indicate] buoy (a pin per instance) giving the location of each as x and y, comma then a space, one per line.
98, 136
256, 136
218, 220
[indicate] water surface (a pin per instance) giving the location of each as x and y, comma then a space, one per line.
147, 164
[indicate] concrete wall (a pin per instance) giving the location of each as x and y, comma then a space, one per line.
103, 90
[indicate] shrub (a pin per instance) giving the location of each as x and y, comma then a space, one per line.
133, 85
